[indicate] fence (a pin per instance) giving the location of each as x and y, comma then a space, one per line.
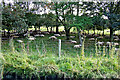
63, 48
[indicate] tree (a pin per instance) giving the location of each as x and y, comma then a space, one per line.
113, 13
109, 9
49, 20
13, 18
66, 16
103, 23
81, 22
96, 22
56, 11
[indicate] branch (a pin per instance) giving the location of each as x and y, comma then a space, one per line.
61, 21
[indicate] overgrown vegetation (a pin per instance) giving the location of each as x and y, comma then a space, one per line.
33, 54
35, 66
40, 64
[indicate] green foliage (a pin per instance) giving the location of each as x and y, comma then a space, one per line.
49, 20
114, 20
2, 60
83, 21
69, 67
31, 65
34, 19
14, 18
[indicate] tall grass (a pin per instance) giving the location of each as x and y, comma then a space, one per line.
34, 65
1, 65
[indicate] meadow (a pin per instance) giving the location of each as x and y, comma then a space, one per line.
39, 59
60, 40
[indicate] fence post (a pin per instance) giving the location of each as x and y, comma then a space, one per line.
59, 47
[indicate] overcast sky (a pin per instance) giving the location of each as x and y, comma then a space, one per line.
41, 9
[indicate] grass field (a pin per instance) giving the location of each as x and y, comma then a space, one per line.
41, 60
51, 46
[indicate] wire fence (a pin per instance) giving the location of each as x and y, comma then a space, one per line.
65, 48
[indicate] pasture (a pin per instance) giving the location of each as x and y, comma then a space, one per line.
60, 40
40, 57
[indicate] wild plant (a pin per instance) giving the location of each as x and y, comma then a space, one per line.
112, 51
78, 58
11, 44
96, 49
109, 49
23, 47
104, 50
38, 49
82, 49
43, 50
2, 61
118, 58
28, 47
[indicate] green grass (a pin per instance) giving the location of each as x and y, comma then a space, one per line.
36, 65
43, 45
43, 60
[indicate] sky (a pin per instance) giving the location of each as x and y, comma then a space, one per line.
47, 10
7, 1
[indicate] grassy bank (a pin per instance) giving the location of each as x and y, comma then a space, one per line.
25, 66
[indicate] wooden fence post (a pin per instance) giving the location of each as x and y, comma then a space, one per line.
59, 48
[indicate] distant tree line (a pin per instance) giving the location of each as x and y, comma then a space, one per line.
19, 17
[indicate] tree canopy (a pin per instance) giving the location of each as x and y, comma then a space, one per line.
82, 15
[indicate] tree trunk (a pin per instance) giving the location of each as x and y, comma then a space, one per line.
51, 29
4, 32
88, 31
8, 33
79, 35
39, 28
67, 33
47, 29
111, 34
35, 29
56, 10
94, 29
79, 32
57, 29
103, 31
